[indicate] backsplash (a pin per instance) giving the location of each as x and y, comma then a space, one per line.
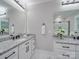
10, 37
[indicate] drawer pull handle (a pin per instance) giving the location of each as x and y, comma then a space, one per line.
10, 55
66, 55
65, 46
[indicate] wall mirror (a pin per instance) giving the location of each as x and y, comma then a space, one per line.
4, 20
68, 21
61, 25
76, 21
4, 26
12, 17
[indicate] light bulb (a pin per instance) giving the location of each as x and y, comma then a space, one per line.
58, 19
3, 10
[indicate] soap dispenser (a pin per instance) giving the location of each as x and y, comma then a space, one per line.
75, 36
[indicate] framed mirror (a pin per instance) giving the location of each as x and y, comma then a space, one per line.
4, 26
70, 20
61, 25
76, 23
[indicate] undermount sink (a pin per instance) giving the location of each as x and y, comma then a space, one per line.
5, 45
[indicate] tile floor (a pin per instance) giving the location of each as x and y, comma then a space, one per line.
41, 54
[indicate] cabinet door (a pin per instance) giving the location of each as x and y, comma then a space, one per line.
31, 47
29, 53
13, 54
23, 50
66, 47
77, 55
32, 44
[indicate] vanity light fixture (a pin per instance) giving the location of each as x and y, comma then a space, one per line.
18, 2
58, 19
2, 14
68, 2
3, 11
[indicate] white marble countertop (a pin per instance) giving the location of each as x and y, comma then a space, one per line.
10, 44
67, 41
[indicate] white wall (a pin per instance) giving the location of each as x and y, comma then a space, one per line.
17, 18
36, 15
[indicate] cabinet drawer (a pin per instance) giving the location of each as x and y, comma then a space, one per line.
65, 55
13, 54
64, 46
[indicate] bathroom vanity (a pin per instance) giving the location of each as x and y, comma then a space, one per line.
22, 48
66, 48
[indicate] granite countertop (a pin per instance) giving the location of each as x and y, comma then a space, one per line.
10, 44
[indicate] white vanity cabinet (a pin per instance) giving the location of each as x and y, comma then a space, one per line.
64, 51
22, 50
12, 54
